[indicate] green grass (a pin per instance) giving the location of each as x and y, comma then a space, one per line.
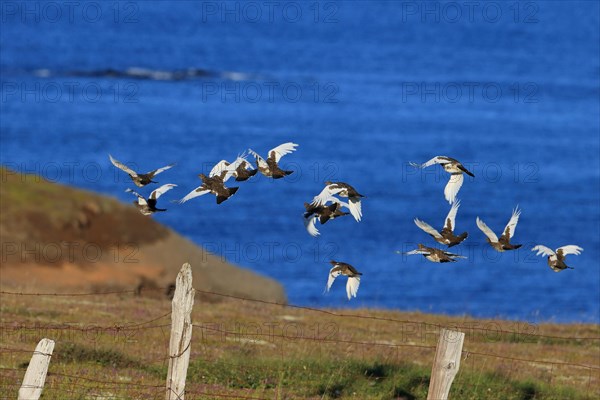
119, 364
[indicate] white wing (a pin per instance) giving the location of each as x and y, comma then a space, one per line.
240, 160
122, 166
486, 230
219, 168
158, 171
417, 251
452, 214
309, 224
332, 275
427, 228
326, 195
199, 191
259, 160
453, 186
282, 150
352, 286
355, 209
141, 200
543, 250
161, 190
512, 223
453, 255
434, 160
570, 249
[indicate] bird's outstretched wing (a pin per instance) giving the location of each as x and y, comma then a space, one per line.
259, 160
219, 168
451, 217
333, 273
486, 230
199, 191
453, 186
427, 228
355, 208
417, 251
141, 200
543, 250
156, 193
512, 223
282, 150
570, 249
159, 170
326, 195
352, 286
453, 255
309, 224
122, 166
434, 160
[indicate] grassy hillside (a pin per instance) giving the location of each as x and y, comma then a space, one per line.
55, 237
115, 346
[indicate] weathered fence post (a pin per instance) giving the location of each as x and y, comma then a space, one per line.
181, 333
35, 376
445, 364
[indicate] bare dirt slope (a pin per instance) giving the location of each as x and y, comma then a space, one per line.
57, 237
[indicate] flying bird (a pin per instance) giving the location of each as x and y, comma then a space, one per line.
213, 183
446, 236
340, 268
454, 168
434, 255
241, 169
343, 190
140, 180
322, 213
556, 259
503, 243
148, 206
270, 166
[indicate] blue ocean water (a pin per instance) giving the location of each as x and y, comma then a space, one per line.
509, 88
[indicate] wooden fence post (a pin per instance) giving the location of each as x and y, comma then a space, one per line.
35, 376
445, 364
181, 333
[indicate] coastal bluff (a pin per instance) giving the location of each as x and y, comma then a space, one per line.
59, 238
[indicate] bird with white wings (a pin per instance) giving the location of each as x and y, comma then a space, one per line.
270, 166
322, 213
454, 168
434, 255
556, 258
446, 236
241, 169
148, 206
214, 183
140, 180
341, 189
341, 268
503, 243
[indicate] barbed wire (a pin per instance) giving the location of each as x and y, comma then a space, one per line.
316, 310
55, 377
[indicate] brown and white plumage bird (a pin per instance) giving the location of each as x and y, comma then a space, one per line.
148, 206
556, 258
446, 236
454, 168
241, 169
270, 166
434, 255
343, 190
503, 243
140, 180
322, 213
214, 183
341, 268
